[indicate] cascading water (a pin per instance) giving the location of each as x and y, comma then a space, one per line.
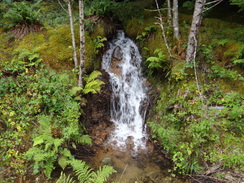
129, 100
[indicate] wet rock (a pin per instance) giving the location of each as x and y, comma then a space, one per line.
115, 67
130, 142
117, 53
107, 161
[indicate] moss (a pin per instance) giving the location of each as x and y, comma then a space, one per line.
6, 48
226, 52
89, 53
33, 40
231, 86
136, 26
99, 31
157, 42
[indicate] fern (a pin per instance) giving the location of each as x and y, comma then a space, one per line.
82, 170
22, 13
65, 179
102, 174
93, 86
85, 174
75, 90
92, 76
84, 139
156, 61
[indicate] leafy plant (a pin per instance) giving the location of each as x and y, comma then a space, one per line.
155, 62
22, 13
194, 133
24, 59
99, 43
85, 174
98, 7
148, 31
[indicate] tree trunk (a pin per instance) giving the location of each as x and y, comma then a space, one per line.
72, 33
82, 42
169, 12
176, 19
195, 28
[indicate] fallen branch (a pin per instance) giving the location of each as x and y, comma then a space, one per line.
205, 177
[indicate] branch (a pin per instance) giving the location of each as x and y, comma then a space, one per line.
207, 177
62, 6
162, 27
157, 10
216, 1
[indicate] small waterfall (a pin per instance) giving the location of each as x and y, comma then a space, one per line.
129, 100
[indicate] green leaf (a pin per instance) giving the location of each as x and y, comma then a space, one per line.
62, 161
74, 90
92, 76
38, 140
66, 152
238, 61
153, 59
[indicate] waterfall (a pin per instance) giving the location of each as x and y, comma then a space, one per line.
129, 99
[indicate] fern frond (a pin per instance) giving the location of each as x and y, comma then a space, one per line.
48, 168
93, 86
74, 90
65, 179
82, 170
92, 76
84, 139
101, 175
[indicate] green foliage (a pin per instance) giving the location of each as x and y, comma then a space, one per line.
93, 85
155, 62
24, 60
85, 174
148, 30
20, 13
97, 7
188, 4
194, 132
35, 100
99, 43
239, 3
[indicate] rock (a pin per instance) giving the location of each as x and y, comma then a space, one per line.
129, 142
107, 161
117, 53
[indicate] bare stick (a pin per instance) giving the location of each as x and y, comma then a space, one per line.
123, 172
162, 28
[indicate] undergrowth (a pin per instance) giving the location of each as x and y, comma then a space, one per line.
39, 104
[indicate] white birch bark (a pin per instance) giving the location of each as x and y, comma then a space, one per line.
82, 42
176, 20
169, 12
72, 33
195, 28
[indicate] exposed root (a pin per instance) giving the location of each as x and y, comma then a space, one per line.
22, 30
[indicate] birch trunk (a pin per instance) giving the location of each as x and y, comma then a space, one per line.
176, 19
82, 42
72, 33
169, 12
195, 28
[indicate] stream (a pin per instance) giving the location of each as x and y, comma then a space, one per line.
126, 147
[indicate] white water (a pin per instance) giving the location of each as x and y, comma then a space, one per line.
128, 93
